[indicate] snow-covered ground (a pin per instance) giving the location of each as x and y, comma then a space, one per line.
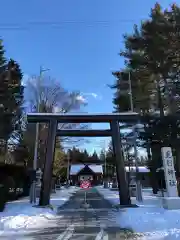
149, 218
20, 215
148, 198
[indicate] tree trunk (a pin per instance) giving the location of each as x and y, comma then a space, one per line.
155, 163
169, 97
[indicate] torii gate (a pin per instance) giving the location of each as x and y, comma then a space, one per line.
113, 119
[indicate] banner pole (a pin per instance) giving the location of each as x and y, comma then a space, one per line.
85, 196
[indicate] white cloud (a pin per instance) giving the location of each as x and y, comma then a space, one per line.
81, 98
94, 95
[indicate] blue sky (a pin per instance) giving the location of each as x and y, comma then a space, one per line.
81, 46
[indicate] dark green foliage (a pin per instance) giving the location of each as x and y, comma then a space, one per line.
152, 56
122, 92
82, 157
2, 51
153, 49
17, 93
11, 98
21, 154
3, 198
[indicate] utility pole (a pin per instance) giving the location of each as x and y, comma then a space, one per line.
160, 103
68, 164
105, 164
130, 92
33, 186
105, 170
138, 183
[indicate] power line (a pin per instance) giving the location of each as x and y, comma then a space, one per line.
59, 24
69, 22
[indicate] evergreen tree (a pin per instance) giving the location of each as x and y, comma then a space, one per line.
152, 54
85, 156
5, 115
17, 92
94, 157
121, 99
11, 98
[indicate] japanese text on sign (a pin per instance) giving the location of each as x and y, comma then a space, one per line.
169, 171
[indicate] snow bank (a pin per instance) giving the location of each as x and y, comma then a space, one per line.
150, 219
21, 216
148, 199
154, 223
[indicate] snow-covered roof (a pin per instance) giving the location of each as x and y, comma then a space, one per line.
75, 168
141, 169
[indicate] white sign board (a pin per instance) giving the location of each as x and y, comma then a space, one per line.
169, 172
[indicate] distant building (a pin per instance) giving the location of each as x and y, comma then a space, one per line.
94, 173
91, 172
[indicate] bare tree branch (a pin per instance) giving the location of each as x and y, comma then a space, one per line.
52, 97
